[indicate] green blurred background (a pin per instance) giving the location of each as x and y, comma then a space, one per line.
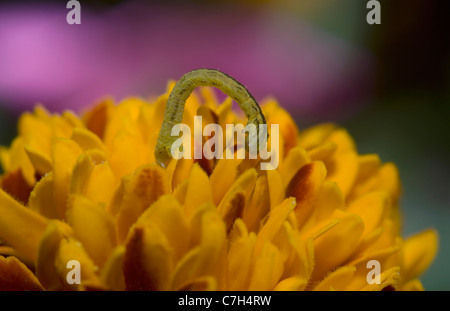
407, 120
405, 115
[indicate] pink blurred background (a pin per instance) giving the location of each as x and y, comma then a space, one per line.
134, 47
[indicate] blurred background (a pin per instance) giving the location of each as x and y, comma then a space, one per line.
388, 84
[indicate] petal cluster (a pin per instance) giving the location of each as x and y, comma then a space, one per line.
87, 188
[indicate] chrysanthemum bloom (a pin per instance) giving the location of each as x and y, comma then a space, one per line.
88, 189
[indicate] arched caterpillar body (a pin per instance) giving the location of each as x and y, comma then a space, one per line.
182, 90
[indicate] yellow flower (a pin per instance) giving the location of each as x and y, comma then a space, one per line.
88, 189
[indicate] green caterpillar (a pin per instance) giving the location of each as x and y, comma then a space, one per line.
182, 90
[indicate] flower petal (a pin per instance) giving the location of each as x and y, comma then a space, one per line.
182, 171
167, 215
222, 177
388, 259
128, 151
376, 178
388, 278
336, 280
329, 199
17, 159
314, 136
240, 261
7, 251
70, 249
20, 227
371, 208
413, 285
204, 283
112, 273
274, 223
342, 139
96, 119
122, 118
291, 284
36, 130
288, 129
297, 254
304, 186
16, 186
206, 256
147, 264
245, 183
267, 268
368, 165
294, 160
41, 198
322, 151
276, 187
71, 119
199, 190
141, 189
41, 162
342, 168
93, 227
336, 245
418, 253
389, 180
59, 247
65, 153
95, 181
232, 208
258, 205
15, 276
48, 248
87, 139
